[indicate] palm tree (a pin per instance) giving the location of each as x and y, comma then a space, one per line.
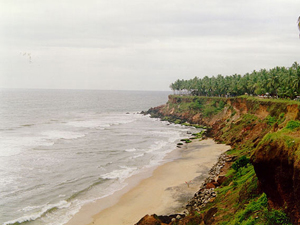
299, 24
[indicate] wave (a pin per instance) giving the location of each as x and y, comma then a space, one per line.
75, 195
34, 216
121, 174
105, 122
138, 156
59, 134
13, 145
131, 150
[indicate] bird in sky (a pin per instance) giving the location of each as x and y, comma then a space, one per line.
26, 54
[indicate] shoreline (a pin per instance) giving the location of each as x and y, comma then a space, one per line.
163, 192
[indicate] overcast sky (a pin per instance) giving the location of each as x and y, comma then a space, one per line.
141, 44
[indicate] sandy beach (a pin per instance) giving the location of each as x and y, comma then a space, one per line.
164, 192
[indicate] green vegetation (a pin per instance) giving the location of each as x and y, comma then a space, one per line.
270, 120
248, 215
292, 125
199, 134
247, 124
186, 140
277, 217
241, 162
279, 81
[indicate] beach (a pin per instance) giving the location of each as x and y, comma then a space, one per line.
166, 191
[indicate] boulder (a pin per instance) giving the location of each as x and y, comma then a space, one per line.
149, 220
209, 216
210, 185
216, 184
221, 179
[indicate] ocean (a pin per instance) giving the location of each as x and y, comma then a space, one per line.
61, 149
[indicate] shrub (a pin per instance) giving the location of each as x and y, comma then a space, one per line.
276, 217
241, 162
251, 208
178, 121
196, 105
281, 118
292, 125
221, 104
270, 120
209, 111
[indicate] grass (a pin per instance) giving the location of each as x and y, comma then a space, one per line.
239, 200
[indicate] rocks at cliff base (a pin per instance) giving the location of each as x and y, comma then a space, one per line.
160, 220
207, 192
149, 220
201, 198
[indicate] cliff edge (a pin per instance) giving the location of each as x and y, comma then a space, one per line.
266, 131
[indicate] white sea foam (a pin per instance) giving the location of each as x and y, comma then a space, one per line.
138, 156
104, 122
130, 150
59, 134
157, 146
121, 174
13, 145
38, 214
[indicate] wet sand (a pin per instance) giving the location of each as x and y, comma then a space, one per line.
165, 192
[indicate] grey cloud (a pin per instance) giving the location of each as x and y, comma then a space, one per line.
138, 44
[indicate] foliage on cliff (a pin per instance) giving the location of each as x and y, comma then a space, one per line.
279, 81
266, 131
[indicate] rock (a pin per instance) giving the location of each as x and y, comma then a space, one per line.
209, 216
210, 185
212, 199
165, 219
191, 220
221, 179
230, 158
216, 184
178, 217
149, 220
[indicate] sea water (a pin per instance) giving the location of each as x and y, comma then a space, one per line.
61, 149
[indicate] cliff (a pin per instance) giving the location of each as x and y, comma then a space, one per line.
265, 130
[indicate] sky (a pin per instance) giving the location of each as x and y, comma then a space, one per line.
141, 44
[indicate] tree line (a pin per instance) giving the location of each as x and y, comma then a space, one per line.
282, 82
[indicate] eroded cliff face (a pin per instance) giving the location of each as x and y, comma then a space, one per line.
260, 128
277, 166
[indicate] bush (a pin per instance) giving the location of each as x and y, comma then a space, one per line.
221, 104
252, 207
196, 105
270, 120
209, 111
281, 118
276, 217
292, 125
178, 121
241, 162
